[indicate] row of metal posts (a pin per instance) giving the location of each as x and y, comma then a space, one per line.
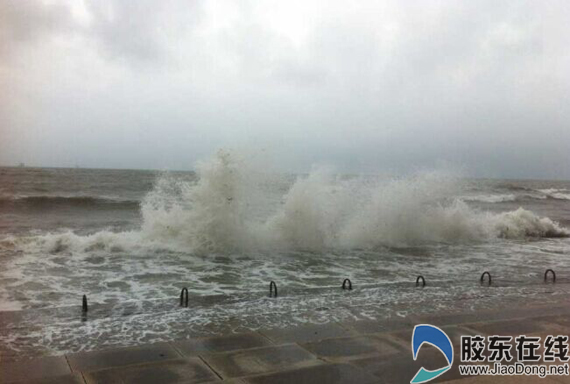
346, 285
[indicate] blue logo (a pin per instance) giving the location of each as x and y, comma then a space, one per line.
429, 334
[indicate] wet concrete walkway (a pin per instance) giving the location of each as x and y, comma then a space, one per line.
359, 352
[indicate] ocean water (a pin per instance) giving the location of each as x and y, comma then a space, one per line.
130, 240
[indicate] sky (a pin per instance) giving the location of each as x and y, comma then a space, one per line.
367, 86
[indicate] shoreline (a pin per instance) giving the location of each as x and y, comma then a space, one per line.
359, 352
59, 331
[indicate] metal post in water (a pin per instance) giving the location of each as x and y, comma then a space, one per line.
272, 289
418, 281
184, 297
483, 277
553, 275
85, 307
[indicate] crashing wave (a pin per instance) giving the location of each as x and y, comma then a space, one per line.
554, 193
228, 208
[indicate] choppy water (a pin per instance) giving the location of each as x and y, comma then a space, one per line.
130, 240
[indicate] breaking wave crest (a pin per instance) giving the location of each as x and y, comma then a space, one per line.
69, 242
557, 194
541, 194
499, 198
230, 208
223, 211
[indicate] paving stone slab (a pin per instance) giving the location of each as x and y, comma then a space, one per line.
75, 378
194, 347
8, 356
517, 327
561, 322
402, 368
96, 360
461, 318
483, 316
27, 370
329, 374
306, 333
559, 379
377, 326
509, 328
351, 347
191, 370
454, 333
260, 360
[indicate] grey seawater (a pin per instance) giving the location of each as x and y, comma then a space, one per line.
69, 232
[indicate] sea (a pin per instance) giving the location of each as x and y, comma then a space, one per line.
131, 240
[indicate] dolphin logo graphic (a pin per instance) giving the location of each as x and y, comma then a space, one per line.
425, 333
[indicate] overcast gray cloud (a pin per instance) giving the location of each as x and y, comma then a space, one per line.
370, 86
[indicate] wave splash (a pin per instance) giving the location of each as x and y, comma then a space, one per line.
231, 207
223, 211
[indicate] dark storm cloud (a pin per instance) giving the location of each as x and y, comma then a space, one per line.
368, 86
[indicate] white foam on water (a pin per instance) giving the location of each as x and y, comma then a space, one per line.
555, 193
70, 334
498, 198
69, 242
